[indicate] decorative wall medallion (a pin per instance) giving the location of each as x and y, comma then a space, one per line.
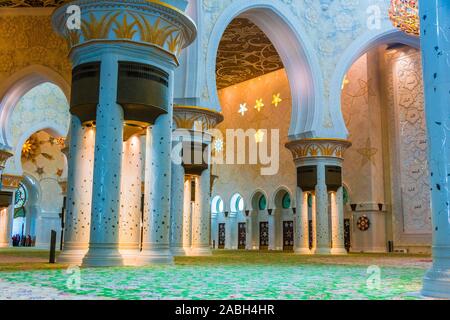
363, 223
244, 53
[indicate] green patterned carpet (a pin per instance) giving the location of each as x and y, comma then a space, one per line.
239, 281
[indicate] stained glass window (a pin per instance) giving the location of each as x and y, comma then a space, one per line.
286, 202
262, 205
21, 197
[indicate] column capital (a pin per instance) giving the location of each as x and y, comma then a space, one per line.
63, 184
187, 117
318, 148
145, 22
4, 156
10, 181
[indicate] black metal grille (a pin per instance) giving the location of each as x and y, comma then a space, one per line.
143, 71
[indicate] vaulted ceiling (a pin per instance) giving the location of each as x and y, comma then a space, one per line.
245, 52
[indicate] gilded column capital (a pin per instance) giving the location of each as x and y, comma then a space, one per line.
63, 185
4, 156
11, 181
189, 117
146, 22
318, 148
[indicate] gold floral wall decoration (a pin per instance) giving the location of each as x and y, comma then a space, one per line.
31, 3
245, 52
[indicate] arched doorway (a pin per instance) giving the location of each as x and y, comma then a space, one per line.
283, 217
36, 124
236, 227
302, 68
217, 223
383, 107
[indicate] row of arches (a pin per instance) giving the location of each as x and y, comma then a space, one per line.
280, 199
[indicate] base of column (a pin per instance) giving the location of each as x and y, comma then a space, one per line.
4, 245
72, 256
129, 256
303, 251
103, 257
436, 282
324, 251
200, 252
338, 251
179, 251
155, 256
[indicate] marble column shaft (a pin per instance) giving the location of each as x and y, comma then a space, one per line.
435, 45
301, 223
337, 222
177, 209
322, 222
201, 221
130, 200
104, 237
187, 215
79, 193
156, 244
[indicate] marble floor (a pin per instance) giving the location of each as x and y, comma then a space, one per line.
308, 280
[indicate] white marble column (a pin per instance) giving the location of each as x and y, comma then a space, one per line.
104, 237
201, 220
337, 222
177, 210
187, 215
322, 222
4, 226
79, 193
301, 224
249, 231
130, 200
214, 231
156, 244
314, 223
255, 229
435, 44
231, 237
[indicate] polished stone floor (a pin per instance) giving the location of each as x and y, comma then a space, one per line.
225, 277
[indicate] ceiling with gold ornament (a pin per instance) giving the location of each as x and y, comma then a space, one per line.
245, 52
31, 3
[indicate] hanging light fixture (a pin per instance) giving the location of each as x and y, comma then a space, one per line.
404, 15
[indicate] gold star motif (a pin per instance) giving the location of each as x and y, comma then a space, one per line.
368, 153
259, 136
243, 108
276, 100
259, 104
40, 171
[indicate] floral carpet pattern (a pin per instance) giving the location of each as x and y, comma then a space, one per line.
220, 282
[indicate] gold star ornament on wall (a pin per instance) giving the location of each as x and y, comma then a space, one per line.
368, 153
276, 100
243, 109
259, 104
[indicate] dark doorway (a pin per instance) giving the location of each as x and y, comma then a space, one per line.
347, 240
242, 236
288, 236
221, 236
263, 235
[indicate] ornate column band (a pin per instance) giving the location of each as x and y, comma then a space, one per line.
318, 147
147, 22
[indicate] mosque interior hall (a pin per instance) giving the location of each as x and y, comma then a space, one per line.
180, 140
